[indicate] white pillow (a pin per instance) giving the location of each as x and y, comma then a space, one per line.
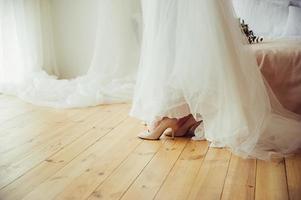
295, 3
266, 18
293, 25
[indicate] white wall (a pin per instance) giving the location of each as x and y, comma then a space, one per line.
74, 26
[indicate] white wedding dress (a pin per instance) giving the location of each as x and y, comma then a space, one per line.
194, 59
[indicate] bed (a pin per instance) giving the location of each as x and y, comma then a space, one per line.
280, 63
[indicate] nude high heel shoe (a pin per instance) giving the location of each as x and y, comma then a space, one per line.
155, 134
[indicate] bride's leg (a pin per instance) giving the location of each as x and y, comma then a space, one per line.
185, 125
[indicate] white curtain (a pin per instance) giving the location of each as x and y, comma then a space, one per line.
25, 40
27, 61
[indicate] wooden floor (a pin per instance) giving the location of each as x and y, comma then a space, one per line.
93, 153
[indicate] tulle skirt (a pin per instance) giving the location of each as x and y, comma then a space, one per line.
194, 59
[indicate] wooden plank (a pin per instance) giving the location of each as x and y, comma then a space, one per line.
150, 180
9, 113
209, 183
22, 121
25, 184
180, 180
293, 173
21, 139
45, 115
117, 184
79, 178
25, 132
240, 180
24, 139
51, 146
271, 181
11, 107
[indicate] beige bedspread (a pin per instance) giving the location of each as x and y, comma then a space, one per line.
280, 63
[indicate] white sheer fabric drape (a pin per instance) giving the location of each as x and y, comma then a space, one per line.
27, 53
26, 44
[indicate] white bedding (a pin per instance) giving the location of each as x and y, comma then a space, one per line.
267, 18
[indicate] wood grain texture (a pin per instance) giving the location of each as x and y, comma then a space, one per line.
150, 180
181, 178
79, 178
210, 180
55, 141
271, 180
121, 179
94, 153
55, 162
241, 179
293, 172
